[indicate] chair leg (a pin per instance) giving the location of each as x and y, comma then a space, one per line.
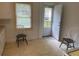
67, 46
60, 44
73, 45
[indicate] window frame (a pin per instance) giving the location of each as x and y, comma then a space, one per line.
16, 15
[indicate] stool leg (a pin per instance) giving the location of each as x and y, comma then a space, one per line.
26, 40
23, 38
17, 41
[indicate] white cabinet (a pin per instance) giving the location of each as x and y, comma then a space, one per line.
2, 40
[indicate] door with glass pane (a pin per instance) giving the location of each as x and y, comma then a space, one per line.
47, 21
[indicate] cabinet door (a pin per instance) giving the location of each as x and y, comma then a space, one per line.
1, 45
2, 41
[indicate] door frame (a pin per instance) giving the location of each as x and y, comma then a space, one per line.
60, 29
48, 6
61, 23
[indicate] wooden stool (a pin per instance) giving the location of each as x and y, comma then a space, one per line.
21, 37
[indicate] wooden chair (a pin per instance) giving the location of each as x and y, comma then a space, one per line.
20, 37
67, 42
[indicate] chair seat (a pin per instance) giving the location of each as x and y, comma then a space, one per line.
68, 40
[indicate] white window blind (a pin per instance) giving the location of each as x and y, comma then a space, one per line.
23, 15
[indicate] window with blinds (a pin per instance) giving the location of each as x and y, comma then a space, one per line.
23, 15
